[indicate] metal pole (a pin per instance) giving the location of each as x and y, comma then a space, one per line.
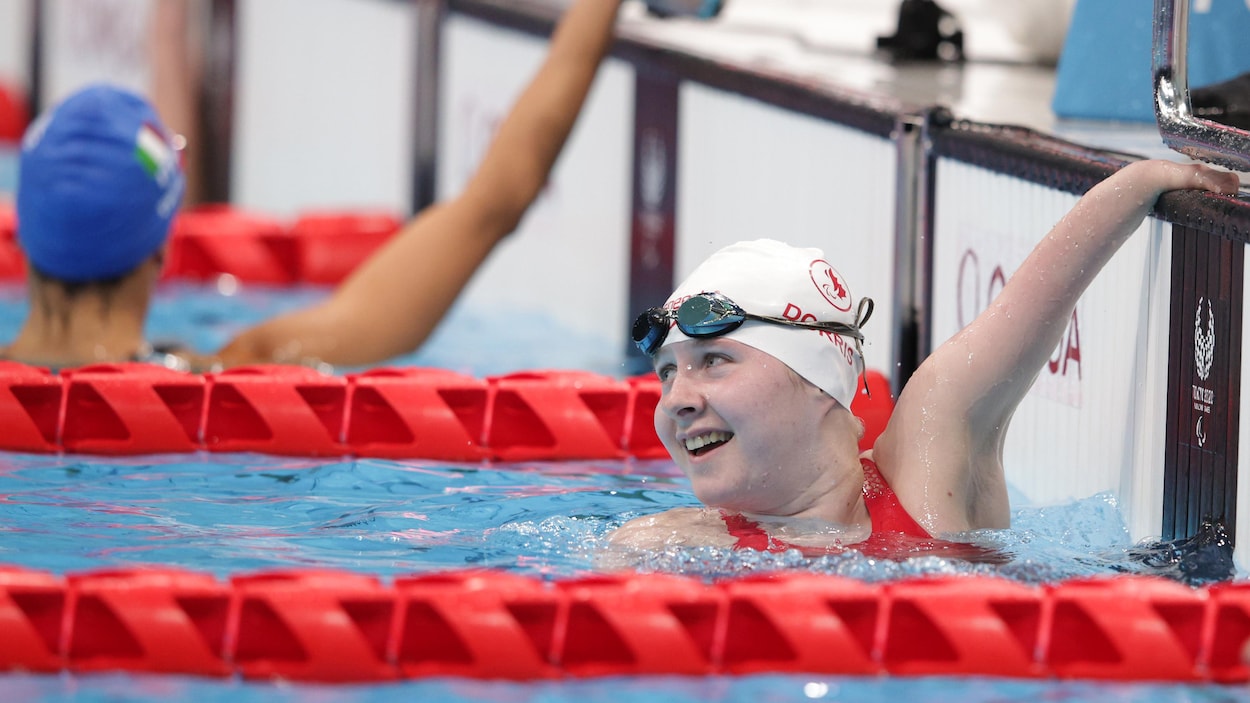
910, 279
35, 89
1195, 137
429, 29
217, 90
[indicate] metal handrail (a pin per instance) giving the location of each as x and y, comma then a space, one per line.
1181, 130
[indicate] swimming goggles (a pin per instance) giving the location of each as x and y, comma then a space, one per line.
712, 315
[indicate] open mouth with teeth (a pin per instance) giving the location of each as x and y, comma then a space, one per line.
704, 443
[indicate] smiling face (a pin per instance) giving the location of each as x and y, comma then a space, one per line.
751, 434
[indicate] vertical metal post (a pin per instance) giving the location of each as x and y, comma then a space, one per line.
217, 91
429, 30
913, 242
908, 276
1181, 131
653, 230
35, 89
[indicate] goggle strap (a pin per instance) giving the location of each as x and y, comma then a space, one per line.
862, 314
863, 369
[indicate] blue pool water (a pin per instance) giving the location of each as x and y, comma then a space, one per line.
204, 317
8, 170
232, 513
471, 340
235, 513
238, 512
113, 688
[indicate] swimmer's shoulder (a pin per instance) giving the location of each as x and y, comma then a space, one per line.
688, 526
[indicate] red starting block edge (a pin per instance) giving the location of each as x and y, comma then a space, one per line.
134, 408
332, 626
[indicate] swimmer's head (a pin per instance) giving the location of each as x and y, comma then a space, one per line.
99, 182
768, 278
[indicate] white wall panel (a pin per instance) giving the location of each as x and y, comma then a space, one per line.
324, 105
15, 42
94, 40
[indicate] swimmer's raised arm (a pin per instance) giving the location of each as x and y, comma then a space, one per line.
394, 300
948, 427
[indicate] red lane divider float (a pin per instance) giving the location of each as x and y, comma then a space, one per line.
14, 113
556, 415
31, 399
207, 241
1226, 629
483, 624
418, 412
12, 265
312, 626
134, 408
158, 620
1082, 640
618, 625
32, 618
277, 410
211, 240
338, 626
116, 408
326, 246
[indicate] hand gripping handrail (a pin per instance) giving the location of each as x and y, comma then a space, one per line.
1181, 130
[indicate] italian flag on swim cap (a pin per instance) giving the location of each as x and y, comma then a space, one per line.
154, 152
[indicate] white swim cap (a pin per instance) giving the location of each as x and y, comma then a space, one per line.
767, 277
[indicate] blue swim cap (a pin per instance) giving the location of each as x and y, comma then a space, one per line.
98, 184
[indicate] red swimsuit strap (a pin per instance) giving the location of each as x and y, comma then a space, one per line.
750, 535
884, 508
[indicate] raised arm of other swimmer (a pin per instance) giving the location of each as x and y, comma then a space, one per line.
942, 449
396, 298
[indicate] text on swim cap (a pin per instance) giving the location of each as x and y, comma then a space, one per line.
796, 314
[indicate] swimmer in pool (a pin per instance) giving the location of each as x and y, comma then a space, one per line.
99, 183
758, 353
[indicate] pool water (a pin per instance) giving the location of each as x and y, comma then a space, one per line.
471, 339
236, 513
230, 513
111, 688
204, 317
8, 170
226, 513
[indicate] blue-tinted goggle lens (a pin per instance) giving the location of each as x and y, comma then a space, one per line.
650, 329
699, 316
705, 316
